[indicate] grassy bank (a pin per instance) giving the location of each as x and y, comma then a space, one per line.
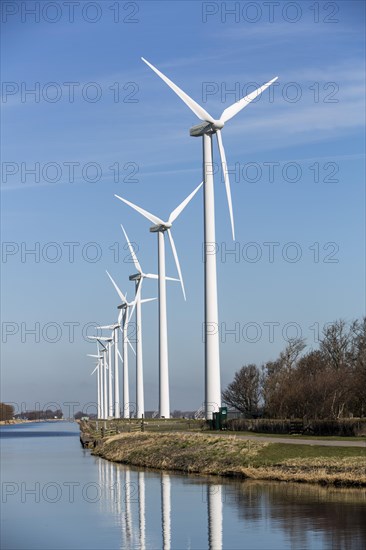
231, 456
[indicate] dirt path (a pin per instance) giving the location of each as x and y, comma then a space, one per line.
299, 441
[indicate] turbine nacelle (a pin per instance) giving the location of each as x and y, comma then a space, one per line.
160, 227
206, 128
136, 277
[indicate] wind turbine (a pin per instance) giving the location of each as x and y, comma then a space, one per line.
161, 227
107, 395
115, 404
123, 319
99, 380
138, 279
206, 129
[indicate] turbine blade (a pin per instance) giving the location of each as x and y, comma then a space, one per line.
151, 276
119, 355
193, 105
137, 297
101, 344
227, 181
132, 252
174, 215
131, 346
91, 355
119, 292
94, 370
148, 215
174, 250
120, 317
148, 300
231, 111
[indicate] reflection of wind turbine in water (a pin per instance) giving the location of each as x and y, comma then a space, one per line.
121, 504
127, 499
141, 488
214, 513
165, 510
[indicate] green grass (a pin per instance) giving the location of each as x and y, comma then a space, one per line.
277, 452
295, 436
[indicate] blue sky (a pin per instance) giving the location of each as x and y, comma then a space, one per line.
298, 163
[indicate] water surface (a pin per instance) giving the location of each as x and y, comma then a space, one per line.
55, 495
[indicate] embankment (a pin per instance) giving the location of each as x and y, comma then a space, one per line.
199, 453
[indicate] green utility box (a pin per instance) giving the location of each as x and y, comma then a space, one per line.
219, 419
215, 421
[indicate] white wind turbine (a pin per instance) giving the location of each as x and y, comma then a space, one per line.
107, 388
115, 404
206, 129
161, 227
123, 320
98, 369
138, 279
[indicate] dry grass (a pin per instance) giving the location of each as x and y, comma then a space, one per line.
231, 456
191, 453
338, 471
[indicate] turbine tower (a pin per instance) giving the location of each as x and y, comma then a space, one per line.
206, 129
161, 227
123, 319
138, 280
99, 382
115, 404
106, 394
122, 324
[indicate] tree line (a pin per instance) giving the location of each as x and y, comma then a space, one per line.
6, 411
47, 414
326, 383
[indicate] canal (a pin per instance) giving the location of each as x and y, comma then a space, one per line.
56, 495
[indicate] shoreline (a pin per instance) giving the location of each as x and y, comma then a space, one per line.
231, 456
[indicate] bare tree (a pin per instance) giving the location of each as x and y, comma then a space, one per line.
336, 343
244, 392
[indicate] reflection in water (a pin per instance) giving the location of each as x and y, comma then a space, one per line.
144, 509
214, 513
165, 510
305, 514
128, 492
300, 510
141, 482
